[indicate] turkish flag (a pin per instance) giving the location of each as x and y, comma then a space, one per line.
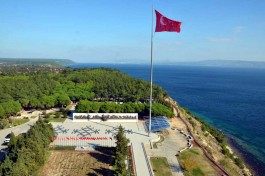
164, 24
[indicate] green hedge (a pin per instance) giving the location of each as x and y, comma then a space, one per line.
158, 109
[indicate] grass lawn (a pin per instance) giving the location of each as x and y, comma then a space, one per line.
160, 166
193, 163
63, 148
17, 122
229, 166
52, 119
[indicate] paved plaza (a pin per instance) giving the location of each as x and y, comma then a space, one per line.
89, 134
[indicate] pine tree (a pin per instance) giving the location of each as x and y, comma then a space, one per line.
6, 167
13, 149
122, 142
121, 152
120, 166
12, 142
20, 167
27, 154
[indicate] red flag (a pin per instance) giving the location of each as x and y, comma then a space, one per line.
165, 24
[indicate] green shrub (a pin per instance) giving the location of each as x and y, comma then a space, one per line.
224, 150
46, 116
197, 172
58, 115
63, 148
239, 163
3, 123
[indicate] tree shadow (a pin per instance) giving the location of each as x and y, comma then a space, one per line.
70, 114
91, 174
102, 171
107, 159
2, 156
106, 150
3, 153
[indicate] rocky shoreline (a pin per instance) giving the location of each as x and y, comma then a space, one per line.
253, 164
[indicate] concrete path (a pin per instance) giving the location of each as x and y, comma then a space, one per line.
173, 142
141, 164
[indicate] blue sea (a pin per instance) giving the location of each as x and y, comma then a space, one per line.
230, 99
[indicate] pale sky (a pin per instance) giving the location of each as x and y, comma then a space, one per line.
119, 31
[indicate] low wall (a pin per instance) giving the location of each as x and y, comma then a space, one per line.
108, 117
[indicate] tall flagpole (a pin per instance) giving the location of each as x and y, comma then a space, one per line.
151, 73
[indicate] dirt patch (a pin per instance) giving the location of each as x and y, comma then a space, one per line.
178, 123
77, 163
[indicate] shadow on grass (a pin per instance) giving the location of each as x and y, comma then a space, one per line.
106, 150
102, 171
106, 159
91, 174
104, 155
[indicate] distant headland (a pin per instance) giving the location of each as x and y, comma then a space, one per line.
35, 61
68, 62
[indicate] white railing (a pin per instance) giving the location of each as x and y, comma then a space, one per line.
147, 161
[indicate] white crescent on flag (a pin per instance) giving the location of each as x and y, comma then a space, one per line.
161, 21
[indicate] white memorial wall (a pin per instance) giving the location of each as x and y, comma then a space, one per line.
108, 117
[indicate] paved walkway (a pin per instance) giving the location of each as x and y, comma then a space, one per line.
173, 142
140, 160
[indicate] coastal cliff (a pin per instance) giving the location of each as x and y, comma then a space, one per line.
211, 141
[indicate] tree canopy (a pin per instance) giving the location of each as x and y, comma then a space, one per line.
45, 90
85, 106
122, 152
27, 152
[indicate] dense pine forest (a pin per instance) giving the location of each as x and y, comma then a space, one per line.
29, 151
43, 90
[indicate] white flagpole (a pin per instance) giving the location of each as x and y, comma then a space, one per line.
151, 73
